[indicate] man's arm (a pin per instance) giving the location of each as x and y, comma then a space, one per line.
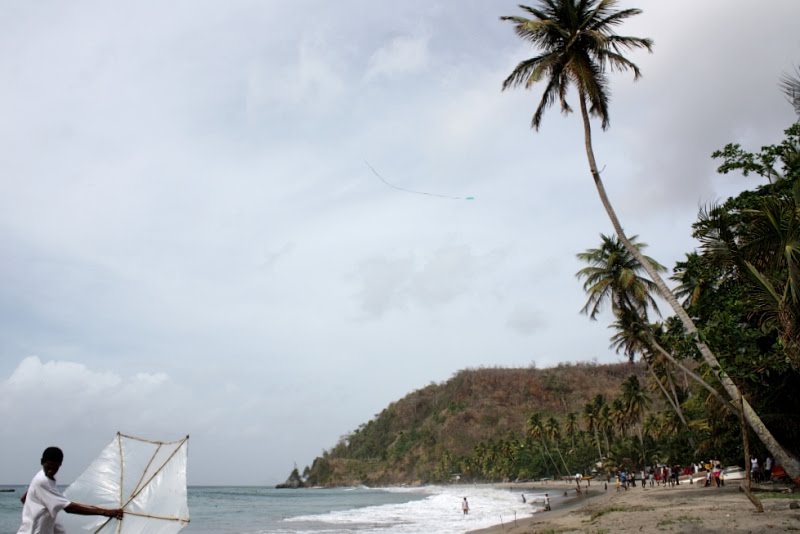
85, 509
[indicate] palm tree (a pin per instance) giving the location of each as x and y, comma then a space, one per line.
536, 430
578, 47
572, 426
636, 402
633, 338
590, 416
604, 421
615, 275
620, 416
553, 428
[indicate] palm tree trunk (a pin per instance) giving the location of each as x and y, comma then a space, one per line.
597, 440
790, 462
676, 406
547, 451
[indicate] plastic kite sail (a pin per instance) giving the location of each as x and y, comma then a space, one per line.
147, 479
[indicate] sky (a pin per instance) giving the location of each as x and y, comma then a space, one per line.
193, 241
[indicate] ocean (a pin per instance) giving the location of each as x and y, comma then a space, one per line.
360, 510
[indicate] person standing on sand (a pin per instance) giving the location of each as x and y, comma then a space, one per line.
768, 469
43, 500
465, 506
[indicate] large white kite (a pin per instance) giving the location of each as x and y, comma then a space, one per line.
147, 479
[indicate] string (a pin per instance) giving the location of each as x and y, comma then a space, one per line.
381, 178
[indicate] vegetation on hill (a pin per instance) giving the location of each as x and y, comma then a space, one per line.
445, 429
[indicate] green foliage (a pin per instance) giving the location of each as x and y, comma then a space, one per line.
474, 425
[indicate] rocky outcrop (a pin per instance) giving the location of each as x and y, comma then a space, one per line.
294, 481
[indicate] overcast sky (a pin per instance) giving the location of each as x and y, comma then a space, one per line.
192, 241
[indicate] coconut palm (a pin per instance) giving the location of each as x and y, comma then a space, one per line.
636, 402
590, 414
578, 47
571, 427
553, 428
537, 430
619, 416
615, 275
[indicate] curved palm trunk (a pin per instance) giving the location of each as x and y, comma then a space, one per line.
547, 451
597, 440
790, 462
558, 450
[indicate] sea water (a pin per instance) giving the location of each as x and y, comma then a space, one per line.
253, 510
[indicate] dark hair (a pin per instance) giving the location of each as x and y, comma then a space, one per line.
53, 454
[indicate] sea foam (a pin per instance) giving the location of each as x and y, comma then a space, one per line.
439, 512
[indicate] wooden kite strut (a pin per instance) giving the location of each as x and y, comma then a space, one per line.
139, 486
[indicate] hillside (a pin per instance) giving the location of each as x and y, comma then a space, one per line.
417, 438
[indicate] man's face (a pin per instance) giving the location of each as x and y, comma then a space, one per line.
50, 468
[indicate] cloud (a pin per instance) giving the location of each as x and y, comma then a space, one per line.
311, 78
401, 56
83, 393
526, 321
442, 277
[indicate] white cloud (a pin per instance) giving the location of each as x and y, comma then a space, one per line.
403, 55
313, 78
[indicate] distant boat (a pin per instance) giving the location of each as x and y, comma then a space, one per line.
7, 490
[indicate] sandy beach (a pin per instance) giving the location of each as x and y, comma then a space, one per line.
679, 509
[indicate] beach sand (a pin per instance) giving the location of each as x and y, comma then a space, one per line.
684, 508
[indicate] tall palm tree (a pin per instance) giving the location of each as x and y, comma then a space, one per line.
553, 428
636, 402
620, 416
590, 414
536, 430
571, 427
604, 421
578, 47
633, 338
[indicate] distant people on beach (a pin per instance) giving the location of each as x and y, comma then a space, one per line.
768, 469
465, 506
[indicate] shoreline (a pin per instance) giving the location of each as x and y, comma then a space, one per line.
682, 508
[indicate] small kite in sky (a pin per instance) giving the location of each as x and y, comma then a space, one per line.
411, 190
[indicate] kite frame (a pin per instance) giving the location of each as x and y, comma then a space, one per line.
139, 486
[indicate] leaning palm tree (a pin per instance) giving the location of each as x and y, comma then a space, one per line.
537, 430
578, 46
553, 428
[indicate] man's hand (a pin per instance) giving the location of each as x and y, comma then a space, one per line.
116, 513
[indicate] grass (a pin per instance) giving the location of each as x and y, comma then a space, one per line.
787, 496
666, 522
